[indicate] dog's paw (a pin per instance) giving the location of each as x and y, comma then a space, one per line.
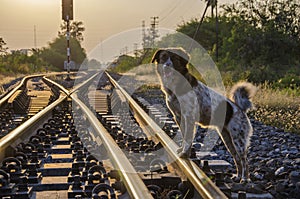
184, 155
241, 180
245, 180
179, 150
236, 178
184, 151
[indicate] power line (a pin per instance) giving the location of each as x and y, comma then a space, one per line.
170, 11
199, 25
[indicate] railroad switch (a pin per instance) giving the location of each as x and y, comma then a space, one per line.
35, 163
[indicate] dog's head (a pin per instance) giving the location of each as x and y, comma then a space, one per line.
172, 67
171, 59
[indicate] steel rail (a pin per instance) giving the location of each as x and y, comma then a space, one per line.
77, 87
63, 89
133, 183
24, 131
5, 98
21, 83
205, 187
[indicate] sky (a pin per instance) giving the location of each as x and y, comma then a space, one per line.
102, 19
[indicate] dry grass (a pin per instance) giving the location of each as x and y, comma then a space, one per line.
145, 73
267, 96
4, 79
279, 108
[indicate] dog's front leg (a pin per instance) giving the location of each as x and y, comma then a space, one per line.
187, 128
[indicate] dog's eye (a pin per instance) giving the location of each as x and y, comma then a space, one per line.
164, 57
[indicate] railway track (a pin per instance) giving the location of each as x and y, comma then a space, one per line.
94, 141
29, 97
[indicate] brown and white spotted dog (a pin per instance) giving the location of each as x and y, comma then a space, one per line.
191, 102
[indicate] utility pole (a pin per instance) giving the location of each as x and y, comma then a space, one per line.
154, 24
126, 50
144, 34
214, 7
34, 36
135, 49
217, 31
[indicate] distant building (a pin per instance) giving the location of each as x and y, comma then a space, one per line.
27, 52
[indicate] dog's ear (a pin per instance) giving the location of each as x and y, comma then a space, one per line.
156, 56
185, 57
184, 60
181, 55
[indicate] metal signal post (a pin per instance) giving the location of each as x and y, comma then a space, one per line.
67, 15
68, 45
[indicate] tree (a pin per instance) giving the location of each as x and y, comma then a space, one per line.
281, 15
3, 49
265, 38
55, 54
76, 30
258, 40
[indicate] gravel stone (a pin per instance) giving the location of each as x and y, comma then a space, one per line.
279, 171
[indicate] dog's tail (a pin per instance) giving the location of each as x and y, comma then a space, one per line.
241, 94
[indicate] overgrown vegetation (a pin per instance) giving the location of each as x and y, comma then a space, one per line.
258, 41
125, 63
55, 54
20, 63
52, 57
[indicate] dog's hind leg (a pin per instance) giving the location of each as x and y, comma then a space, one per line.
223, 114
243, 150
228, 141
241, 130
239, 150
245, 169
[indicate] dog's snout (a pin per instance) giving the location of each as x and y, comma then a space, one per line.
168, 63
